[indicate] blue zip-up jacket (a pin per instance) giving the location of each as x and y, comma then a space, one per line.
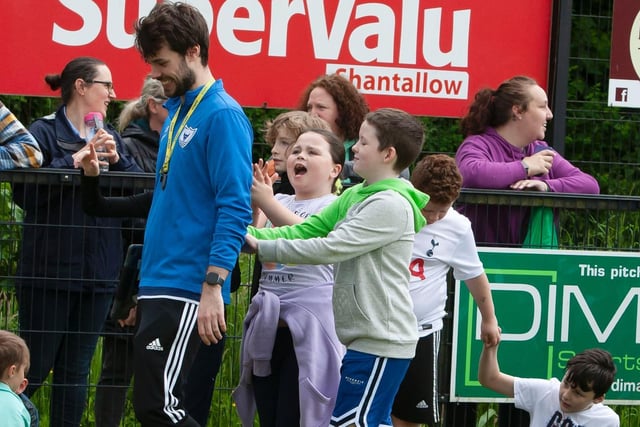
200, 218
61, 246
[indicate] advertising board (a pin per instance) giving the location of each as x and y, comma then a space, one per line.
552, 304
624, 74
428, 57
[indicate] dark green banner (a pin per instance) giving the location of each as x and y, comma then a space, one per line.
552, 304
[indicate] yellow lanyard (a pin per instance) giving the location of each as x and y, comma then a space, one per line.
173, 137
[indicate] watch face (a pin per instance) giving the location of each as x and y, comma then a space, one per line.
213, 279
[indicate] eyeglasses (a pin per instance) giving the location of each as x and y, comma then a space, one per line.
108, 85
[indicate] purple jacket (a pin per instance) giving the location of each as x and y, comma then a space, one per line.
309, 316
488, 161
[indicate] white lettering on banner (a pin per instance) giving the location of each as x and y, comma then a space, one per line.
536, 312
568, 292
281, 13
255, 22
327, 45
404, 81
92, 23
620, 385
459, 54
328, 38
91, 16
601, 336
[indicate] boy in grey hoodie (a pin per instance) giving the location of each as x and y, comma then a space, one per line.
368, 234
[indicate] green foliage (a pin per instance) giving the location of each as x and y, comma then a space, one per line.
442, 135
629, 415
10, 234
258, 117
488, 415
29, 108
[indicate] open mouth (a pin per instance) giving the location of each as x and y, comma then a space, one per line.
299, 170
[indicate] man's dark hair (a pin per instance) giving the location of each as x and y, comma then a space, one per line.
179, 25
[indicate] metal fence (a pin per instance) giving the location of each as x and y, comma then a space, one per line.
584, 222
600, 140
595, 222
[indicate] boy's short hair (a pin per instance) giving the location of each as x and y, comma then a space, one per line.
13, 351
400, 130
296, 122
180, 25
438, 176
593, 369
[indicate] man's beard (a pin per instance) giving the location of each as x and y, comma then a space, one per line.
185, 80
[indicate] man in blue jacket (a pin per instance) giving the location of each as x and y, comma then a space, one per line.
199, 213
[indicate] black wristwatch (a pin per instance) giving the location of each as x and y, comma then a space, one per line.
213, 279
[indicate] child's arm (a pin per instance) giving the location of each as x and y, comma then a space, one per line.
278, 214
481, 291
264, 203
489, 372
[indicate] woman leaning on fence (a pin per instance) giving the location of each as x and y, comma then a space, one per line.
69, 261
503, 150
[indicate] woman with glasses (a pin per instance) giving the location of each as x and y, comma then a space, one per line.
69, 262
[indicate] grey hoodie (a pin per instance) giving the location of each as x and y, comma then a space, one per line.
368, 233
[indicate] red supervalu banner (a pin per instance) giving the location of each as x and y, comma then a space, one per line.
427, 57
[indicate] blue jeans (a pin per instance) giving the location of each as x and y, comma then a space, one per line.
61, 328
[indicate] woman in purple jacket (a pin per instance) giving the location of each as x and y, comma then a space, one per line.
503, 149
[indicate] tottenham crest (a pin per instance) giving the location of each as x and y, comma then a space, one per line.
186, 136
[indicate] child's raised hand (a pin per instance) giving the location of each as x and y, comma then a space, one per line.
262, 185
269, 173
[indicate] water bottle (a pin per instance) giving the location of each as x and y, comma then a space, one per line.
93, 122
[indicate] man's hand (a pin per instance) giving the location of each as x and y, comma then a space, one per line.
131, 318
211, 323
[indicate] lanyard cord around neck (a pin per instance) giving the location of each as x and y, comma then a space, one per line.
173, 137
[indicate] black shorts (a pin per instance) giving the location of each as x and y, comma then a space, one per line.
417, 398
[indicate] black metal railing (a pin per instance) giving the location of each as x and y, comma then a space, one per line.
602, 222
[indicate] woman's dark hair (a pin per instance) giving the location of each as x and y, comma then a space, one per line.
493, 108
352, 107
179, 25
83, 67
